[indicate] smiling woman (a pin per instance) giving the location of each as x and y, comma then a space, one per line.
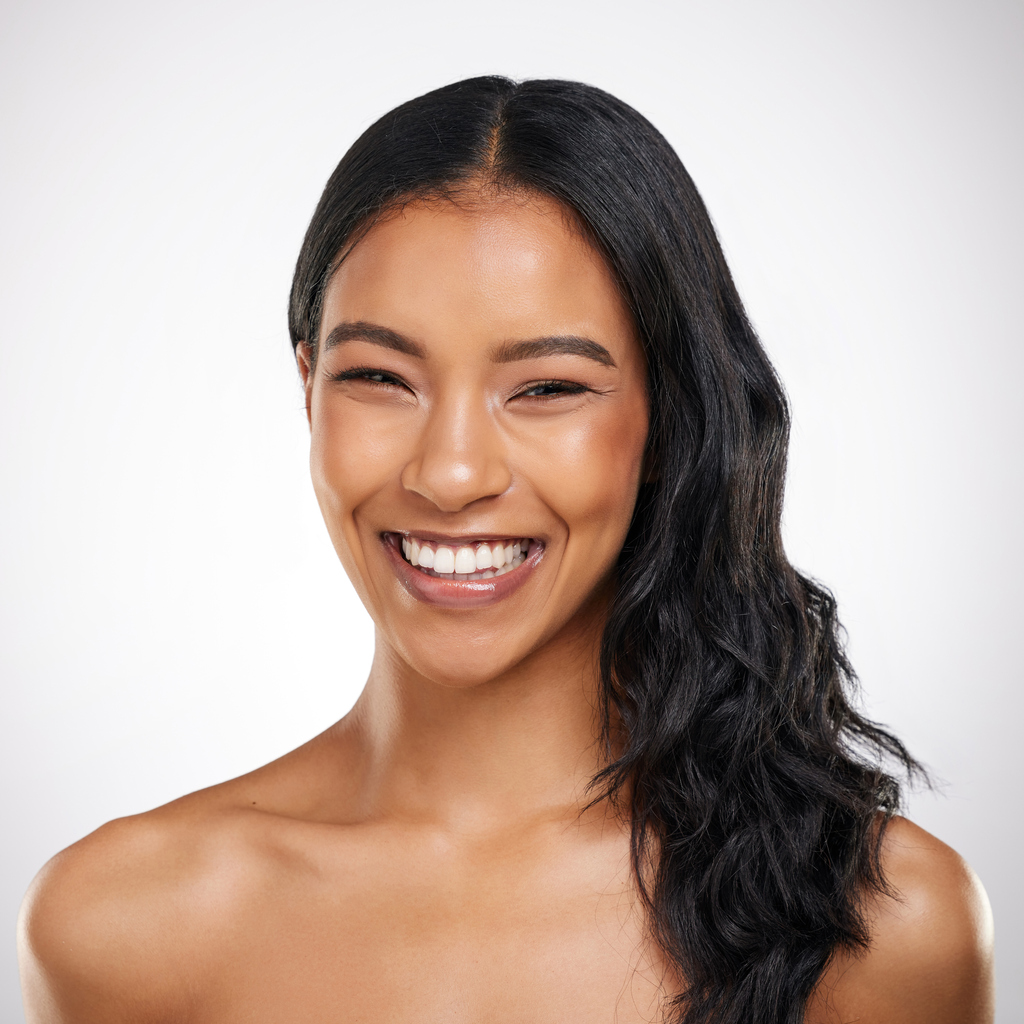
479, 355
605, 766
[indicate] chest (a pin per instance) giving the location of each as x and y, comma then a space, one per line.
425, 939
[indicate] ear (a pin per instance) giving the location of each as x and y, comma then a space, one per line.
304, 357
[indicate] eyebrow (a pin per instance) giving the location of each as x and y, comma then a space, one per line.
508, 352
361, 330
556, 345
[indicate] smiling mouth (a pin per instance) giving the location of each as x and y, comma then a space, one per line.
479, 560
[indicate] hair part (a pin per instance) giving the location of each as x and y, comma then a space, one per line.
755, 790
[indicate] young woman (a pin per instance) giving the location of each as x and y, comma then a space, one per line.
605, 767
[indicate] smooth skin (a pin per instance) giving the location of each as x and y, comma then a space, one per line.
428, 858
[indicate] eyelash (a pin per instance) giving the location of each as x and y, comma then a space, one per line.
367, 373
382, 378
564, 387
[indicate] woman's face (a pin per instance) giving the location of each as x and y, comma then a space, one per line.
479, 415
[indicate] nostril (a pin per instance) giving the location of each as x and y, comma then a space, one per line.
453, 483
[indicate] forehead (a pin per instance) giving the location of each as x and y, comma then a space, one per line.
514, 266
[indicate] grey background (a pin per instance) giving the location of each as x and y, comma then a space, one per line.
171, 613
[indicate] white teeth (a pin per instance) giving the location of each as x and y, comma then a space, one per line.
444, 560
465, 561
482, 561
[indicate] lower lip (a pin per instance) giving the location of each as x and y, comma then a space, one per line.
459, 593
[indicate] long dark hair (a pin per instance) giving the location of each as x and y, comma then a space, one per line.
756, 792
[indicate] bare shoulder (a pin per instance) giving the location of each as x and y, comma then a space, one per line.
129, 923
94, 925
930, 957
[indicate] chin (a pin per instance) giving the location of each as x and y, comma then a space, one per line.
459, 673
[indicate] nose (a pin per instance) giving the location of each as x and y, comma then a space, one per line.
460, 457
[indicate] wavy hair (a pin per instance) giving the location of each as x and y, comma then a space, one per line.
755, 791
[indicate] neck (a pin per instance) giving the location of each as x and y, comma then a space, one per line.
521, 746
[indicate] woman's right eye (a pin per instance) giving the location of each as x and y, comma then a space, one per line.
381, 378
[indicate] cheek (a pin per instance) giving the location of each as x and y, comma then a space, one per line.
590, 477
352, 457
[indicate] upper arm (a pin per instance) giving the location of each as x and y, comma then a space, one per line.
930, 955
93, 936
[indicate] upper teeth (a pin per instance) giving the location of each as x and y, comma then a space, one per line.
472, 561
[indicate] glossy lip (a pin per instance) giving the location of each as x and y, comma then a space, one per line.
458, 593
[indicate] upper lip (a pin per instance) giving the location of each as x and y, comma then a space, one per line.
463, 540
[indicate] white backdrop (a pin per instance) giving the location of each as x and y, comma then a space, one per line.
172, 612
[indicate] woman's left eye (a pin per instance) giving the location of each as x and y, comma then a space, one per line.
551, 389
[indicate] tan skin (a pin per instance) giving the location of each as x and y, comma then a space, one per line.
427, 858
